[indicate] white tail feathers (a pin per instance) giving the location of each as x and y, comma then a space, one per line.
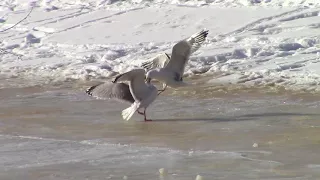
128, 112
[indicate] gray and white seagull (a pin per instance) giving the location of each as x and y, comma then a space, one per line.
138, 93
169, 70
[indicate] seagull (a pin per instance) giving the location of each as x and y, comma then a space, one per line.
170, 70
139, 93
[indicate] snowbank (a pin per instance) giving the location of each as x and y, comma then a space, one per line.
250, 42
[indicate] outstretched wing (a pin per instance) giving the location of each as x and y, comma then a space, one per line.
108, 90
197, 40
160, 61
137, 85
131, 75
182, 51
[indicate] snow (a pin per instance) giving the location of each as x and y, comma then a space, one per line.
250, 42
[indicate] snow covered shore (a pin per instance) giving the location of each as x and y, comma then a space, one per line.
264, 42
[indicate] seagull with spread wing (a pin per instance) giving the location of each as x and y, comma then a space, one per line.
169, 70
138, 93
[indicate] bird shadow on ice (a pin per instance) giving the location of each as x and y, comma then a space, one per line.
227, 119
246, 117
279, 114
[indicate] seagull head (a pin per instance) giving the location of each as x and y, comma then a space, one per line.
152, 74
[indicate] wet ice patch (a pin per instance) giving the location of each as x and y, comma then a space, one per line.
22, 150
314, 166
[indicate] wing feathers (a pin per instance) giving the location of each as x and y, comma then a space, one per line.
160, 61
197, 40
108, 90
182, 51
130, 75
137, 86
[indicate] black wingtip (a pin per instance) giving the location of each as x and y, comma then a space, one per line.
167, 55
205, 33
116, 78
145, 65
90, 89
201, 36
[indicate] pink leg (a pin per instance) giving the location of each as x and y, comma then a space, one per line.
145, 117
